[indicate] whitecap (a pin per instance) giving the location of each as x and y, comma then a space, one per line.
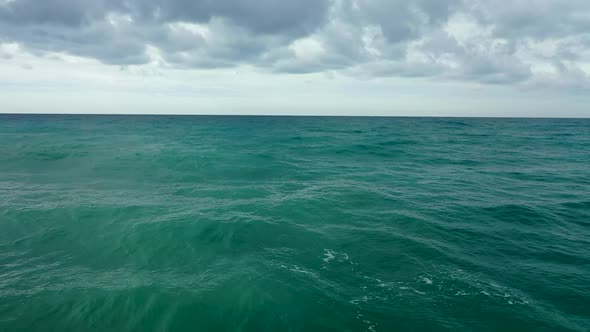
427, 281
328, 255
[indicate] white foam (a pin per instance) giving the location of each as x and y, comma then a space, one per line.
328, 255
302, 271
428, 281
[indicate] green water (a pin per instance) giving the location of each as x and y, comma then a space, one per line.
293, 224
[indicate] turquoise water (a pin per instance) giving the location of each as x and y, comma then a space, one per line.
293, 224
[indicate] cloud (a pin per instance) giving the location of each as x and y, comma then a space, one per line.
517, 42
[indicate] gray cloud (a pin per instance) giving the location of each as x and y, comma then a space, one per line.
534, 18
58, 12
476, 40
402, 20
261, 16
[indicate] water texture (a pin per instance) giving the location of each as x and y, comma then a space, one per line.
145, 223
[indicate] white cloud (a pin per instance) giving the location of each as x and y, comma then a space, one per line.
308, 49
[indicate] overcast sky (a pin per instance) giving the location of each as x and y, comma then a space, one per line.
347, 57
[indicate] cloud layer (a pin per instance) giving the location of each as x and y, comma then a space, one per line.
528, 42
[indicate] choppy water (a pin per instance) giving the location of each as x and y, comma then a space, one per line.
293, 224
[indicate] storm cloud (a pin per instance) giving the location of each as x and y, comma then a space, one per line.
535, 42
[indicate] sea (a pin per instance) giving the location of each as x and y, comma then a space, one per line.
254, 223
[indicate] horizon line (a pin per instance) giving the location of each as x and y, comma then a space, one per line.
300, 115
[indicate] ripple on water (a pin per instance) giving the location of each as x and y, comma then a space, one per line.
301, 224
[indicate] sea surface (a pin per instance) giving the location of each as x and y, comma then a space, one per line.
204, 223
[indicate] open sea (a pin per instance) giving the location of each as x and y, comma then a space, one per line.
212, 223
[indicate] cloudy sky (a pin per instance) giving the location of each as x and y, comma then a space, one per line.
348, 57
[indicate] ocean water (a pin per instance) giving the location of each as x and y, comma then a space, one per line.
157, 223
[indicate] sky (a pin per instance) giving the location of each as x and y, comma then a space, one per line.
521, 58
